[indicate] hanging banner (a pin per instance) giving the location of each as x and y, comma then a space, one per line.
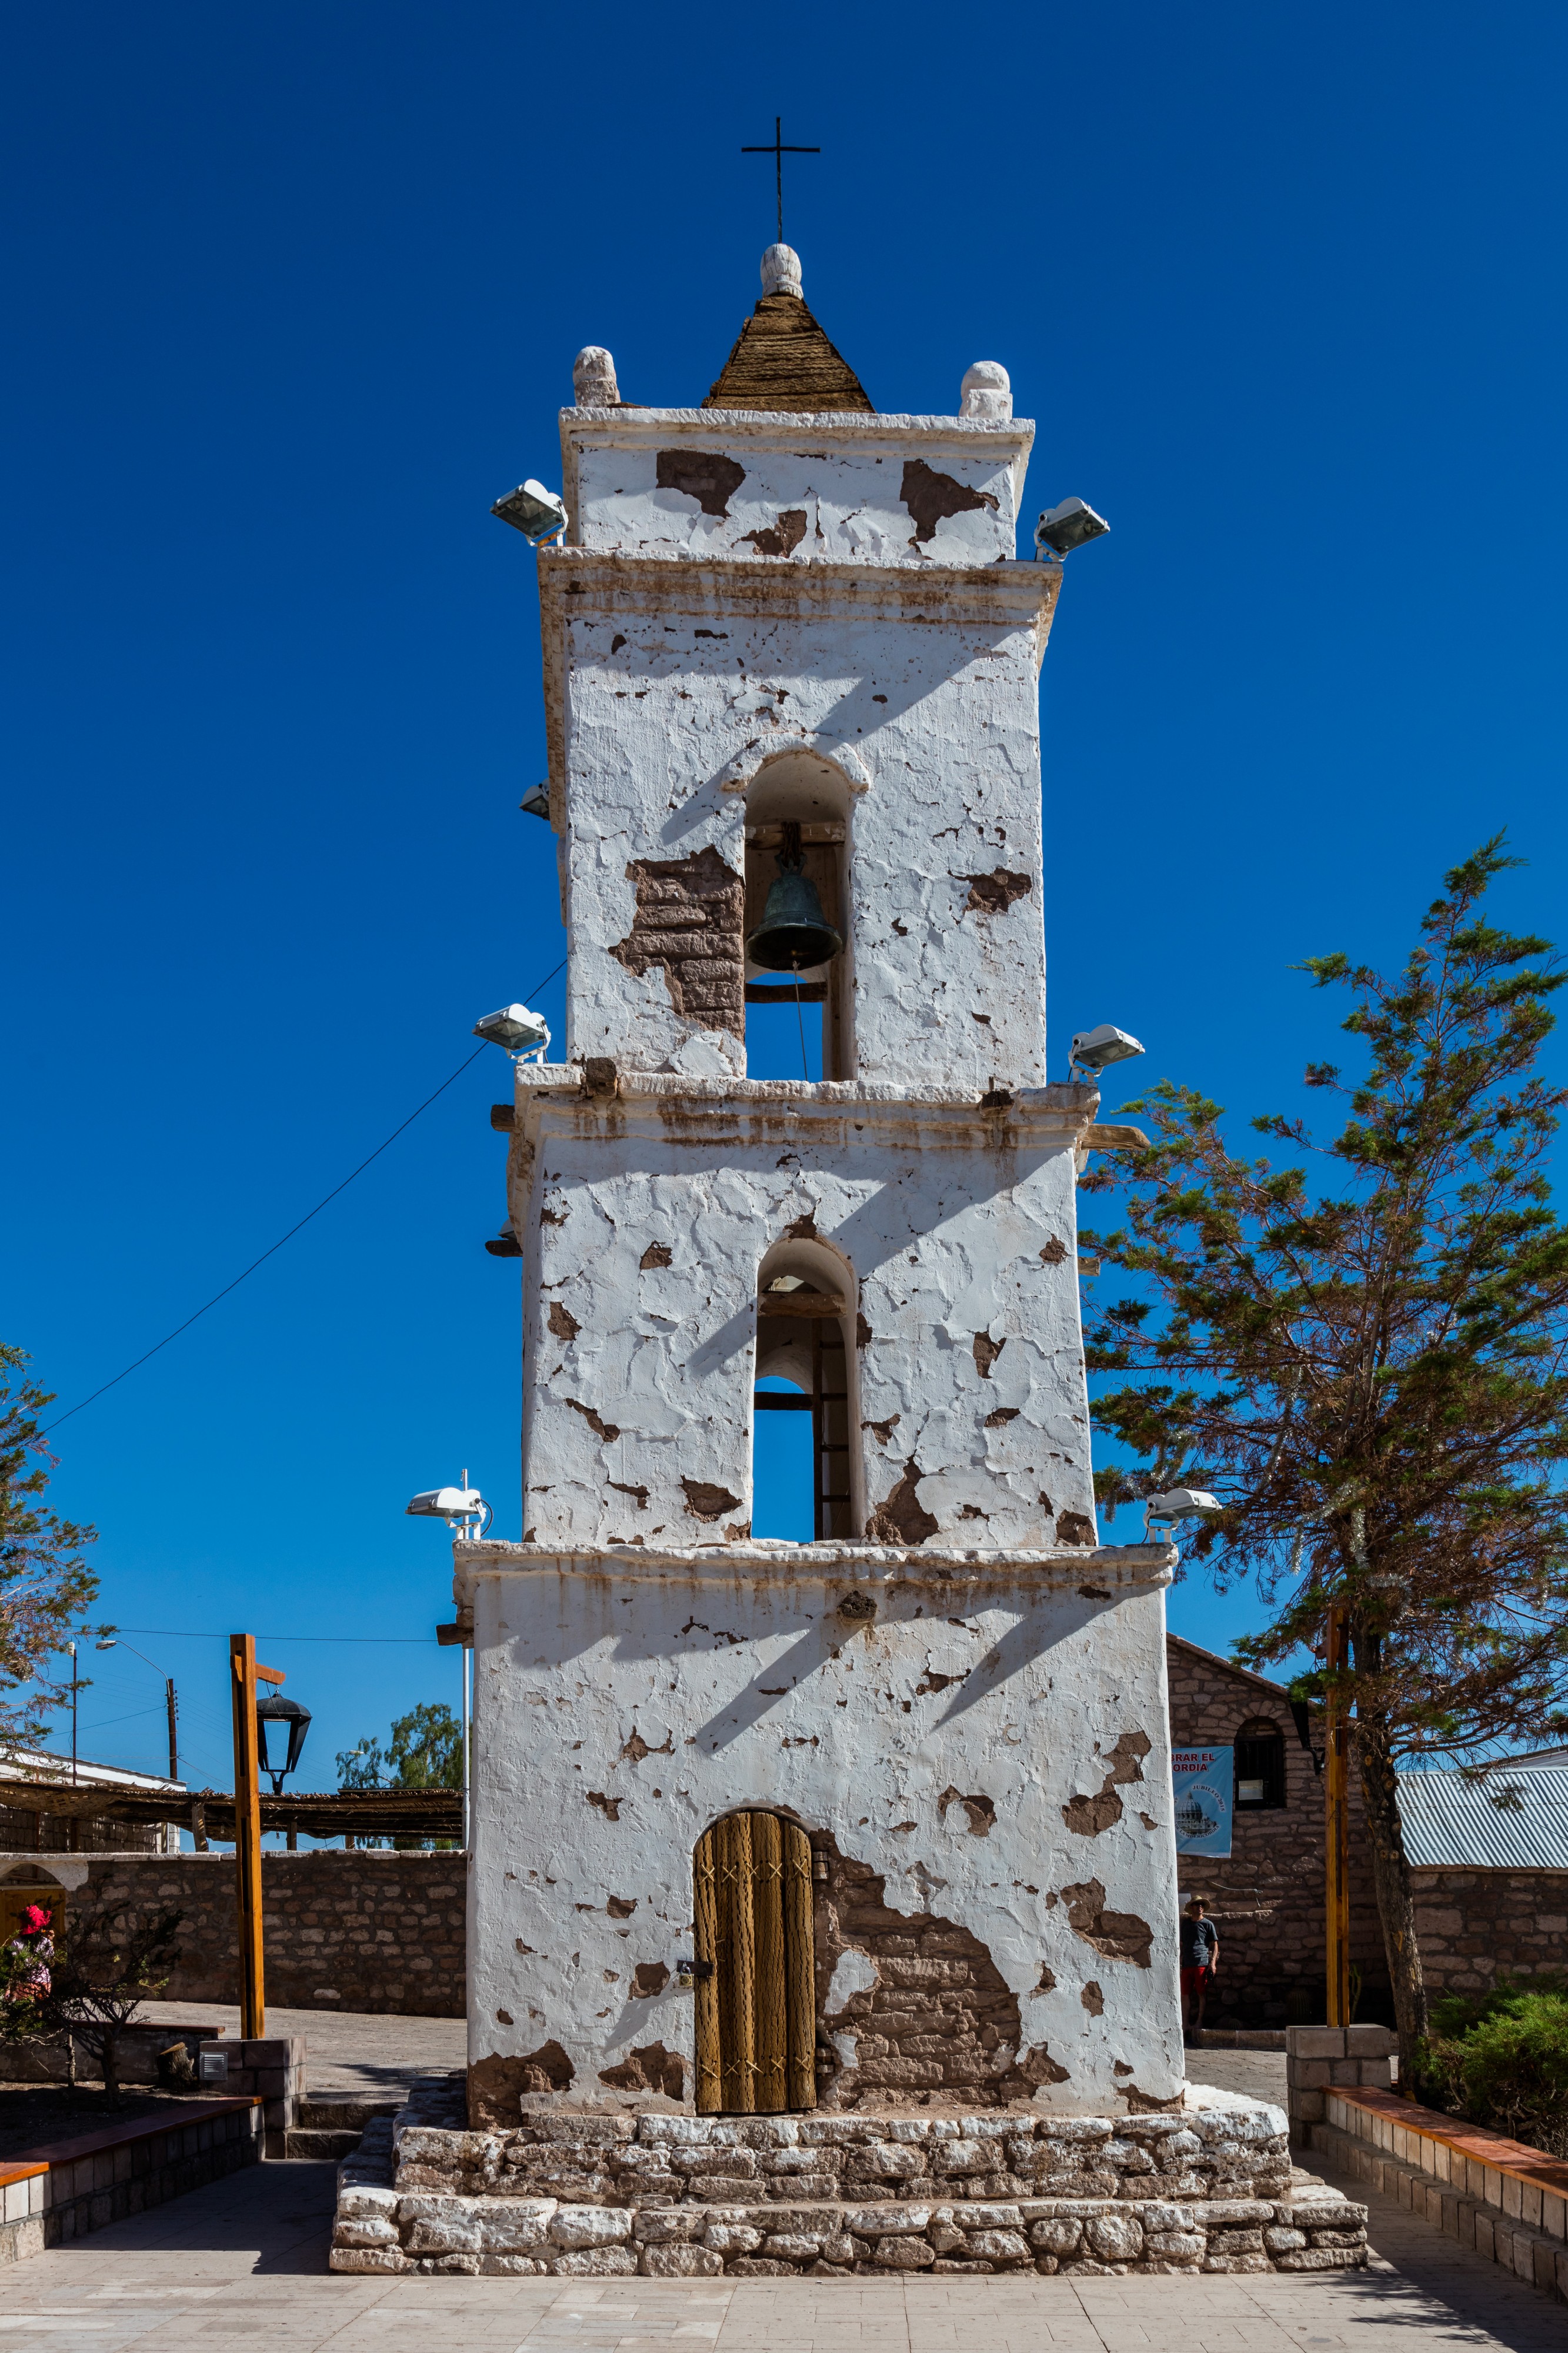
1204, 1783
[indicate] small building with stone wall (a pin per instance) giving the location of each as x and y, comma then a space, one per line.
1266, 1896
26, 1831
1490, 1869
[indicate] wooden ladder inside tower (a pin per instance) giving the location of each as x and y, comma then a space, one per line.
827, 1499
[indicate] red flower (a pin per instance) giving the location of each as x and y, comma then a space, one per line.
35, 1919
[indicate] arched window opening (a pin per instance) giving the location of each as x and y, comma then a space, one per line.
1259, 1765
755, 1976
798, 1020
805, 1366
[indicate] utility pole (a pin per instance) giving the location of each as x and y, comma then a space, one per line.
173, 1734
1336, 1825
244, 1676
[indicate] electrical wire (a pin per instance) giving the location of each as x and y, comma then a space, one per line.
289, 1237
186, 1634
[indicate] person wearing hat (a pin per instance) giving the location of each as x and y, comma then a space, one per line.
1200, 1959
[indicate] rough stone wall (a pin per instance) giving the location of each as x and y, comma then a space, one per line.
645, 1218
673, 689
1267, 1899
377, 1931
986, 1934
1475, 1926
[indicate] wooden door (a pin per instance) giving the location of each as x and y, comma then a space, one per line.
756, 2002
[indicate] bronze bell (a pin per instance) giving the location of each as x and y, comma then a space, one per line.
793, 933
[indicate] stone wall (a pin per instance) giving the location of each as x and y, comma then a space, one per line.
379, 1931
1475, 1926
835, 2197
1267, 1899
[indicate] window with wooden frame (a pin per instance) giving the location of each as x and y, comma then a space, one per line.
1260, 1766
805, 1305
756, 1973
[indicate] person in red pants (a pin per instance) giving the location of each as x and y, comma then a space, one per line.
1200, 1959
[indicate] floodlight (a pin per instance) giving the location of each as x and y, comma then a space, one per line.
1063, 528
446, 1503
458, 1506
537, 513
1096, 1049
1179, 1504
535, 802
517, 1029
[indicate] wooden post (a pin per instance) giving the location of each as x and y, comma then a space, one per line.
1336, 1843
244, 1676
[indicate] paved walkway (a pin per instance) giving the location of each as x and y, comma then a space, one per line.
350, 2051
246, 2257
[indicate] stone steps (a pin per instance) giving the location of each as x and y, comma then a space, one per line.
333, 2128
836, 2194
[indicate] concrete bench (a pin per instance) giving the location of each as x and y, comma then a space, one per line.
67, 2188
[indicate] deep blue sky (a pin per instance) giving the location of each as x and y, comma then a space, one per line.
294, 293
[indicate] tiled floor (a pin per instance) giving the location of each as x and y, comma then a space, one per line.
246, 2258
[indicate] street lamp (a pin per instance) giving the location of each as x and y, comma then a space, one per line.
276, 1709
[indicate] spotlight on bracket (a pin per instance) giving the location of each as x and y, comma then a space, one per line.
537, 513
520, 1033
458, 1506
1096, 1049
1063, 528
1179, 1504
535, 802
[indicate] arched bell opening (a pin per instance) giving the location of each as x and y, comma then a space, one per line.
756, 1974
798, 984
806, 1329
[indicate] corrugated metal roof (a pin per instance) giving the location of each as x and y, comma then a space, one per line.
1449, 1820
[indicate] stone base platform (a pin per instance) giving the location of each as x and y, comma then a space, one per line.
833, 2195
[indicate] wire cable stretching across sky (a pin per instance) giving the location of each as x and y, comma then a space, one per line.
83, 1403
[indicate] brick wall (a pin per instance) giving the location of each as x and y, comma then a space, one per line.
22, 1831
1477, 1926
1267, 1900
378, 1931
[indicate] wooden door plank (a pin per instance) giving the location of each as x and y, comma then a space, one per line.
738, 1993
773, 2026
709, 2048
800, 1966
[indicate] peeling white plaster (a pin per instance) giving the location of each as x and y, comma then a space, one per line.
853, 1973
787, 637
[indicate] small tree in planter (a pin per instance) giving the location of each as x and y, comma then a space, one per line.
89, 1985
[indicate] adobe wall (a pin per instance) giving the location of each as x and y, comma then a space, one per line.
379, 1931
1268, 1899
1475, 1926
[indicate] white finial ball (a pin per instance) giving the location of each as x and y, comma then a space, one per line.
594, 378
987, 390
781, 270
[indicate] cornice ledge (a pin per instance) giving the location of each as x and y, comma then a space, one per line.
1112, 1568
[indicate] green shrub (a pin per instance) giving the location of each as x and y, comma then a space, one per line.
1501, 2059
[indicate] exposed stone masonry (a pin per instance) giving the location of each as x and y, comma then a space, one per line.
836, 2196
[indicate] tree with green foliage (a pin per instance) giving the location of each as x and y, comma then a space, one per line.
1370, 1364
45, 1582
425, 1752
